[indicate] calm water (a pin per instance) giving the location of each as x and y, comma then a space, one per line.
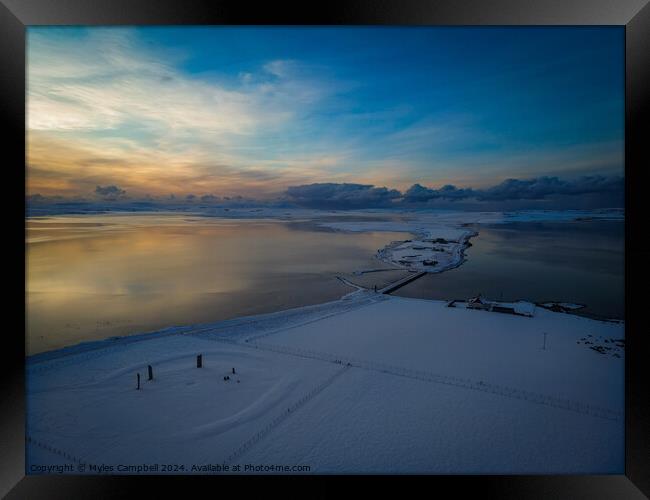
92, 277
581, 262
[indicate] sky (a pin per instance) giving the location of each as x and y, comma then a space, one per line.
340, 116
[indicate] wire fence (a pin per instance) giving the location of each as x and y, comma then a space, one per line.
501, 390
53, 449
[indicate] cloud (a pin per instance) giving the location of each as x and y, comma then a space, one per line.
57, 166
589, 192
580, 192
420, 194
280, 67
543, 187
341, 196
111, 81
109, 192
538, 188
105, 107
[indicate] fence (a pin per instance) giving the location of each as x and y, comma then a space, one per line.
510, 392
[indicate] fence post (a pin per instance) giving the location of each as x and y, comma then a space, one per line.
138, 388
150, 372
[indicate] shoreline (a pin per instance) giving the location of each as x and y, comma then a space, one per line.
457, 239
451, 251
359, 293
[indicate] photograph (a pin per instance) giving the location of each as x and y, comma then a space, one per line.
325, 250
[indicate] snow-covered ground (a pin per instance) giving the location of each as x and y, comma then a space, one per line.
369, 383
429, 252
436, 246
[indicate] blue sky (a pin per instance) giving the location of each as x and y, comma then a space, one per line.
252, 111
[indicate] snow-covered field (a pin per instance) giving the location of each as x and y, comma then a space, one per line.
368, 383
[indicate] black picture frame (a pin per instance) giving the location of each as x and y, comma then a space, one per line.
15, 15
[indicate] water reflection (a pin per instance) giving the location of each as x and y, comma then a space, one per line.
91, 277
579, 262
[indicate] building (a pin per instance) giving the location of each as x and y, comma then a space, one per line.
478, 303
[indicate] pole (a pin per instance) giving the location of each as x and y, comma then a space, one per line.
199, 361
150, 372
138, 388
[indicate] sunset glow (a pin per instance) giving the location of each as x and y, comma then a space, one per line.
251, 111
